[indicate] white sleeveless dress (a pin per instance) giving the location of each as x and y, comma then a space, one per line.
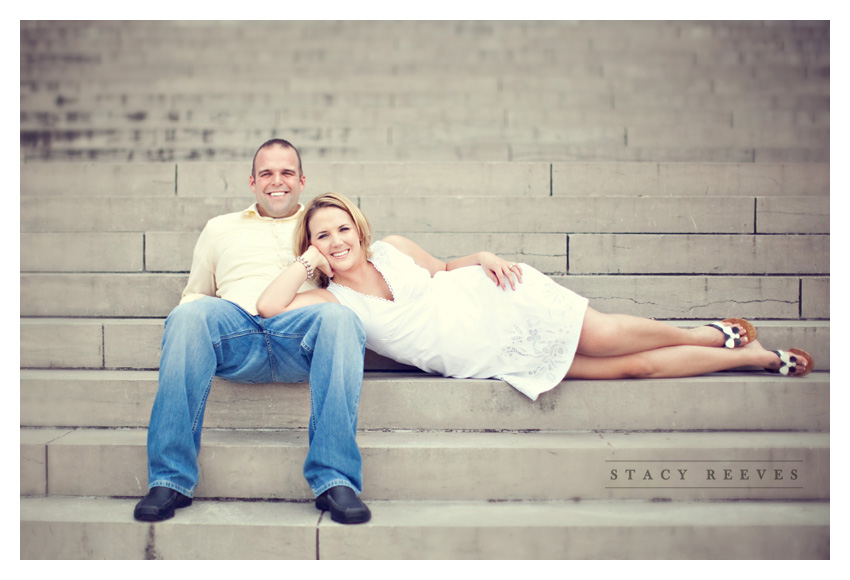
460, 324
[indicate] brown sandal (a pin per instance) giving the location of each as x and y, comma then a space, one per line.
788, 362
733, 331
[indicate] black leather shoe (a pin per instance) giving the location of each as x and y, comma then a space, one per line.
344, 505
160, 504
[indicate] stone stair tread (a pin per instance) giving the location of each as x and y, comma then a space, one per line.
415, 400
456, 465
458, 439
97, 528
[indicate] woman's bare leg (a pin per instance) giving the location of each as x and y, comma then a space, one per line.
673, 361
619, 334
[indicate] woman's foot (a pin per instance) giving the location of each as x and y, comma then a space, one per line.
729, 333
792, 362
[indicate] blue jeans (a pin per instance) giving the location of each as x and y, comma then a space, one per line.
209, 337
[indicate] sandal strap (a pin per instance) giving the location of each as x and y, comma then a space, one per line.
732, 333
787, 363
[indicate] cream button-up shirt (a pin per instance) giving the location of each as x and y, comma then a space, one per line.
239, 254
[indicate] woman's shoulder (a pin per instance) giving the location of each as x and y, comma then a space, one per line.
384, 246
394, 245
392, 248
395, 241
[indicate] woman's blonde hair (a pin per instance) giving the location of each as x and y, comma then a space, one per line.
301, 237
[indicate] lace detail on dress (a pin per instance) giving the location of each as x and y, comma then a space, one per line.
535, 342
545, 349
350, 289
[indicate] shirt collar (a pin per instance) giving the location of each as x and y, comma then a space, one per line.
253, 211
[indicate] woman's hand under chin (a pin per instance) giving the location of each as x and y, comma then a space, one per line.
318, 260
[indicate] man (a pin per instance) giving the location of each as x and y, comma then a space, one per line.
215, 331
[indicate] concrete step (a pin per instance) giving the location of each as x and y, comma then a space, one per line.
99, 528
146, 295
578, 84
148, 111
640, 46
454, 465
444, 135
551, 253
721, 401
692, 62
424, 179
458, 213
93, 343
484, 151
656, 91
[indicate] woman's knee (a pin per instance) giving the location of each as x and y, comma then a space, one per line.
639, 366
600, 334
611, 368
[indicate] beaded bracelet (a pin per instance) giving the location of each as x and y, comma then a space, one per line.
307, 265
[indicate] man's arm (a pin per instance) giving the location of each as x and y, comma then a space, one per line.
202, 274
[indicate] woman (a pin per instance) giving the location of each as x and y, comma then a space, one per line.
502, 320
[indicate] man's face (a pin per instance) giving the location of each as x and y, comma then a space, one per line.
276, 181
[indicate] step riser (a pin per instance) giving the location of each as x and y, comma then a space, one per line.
730, 215
549, 253
136, 344
505, 540
686, 297
420, 134
399, 531
496, 151
100, 529
578, 179
37, 114
718, 402
464, 466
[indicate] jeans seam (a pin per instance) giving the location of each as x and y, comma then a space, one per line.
239, 334
272, 366
312, 410
202, 405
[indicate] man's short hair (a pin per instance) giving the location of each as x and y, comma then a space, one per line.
280, 143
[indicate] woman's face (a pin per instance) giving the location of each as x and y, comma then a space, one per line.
334, 234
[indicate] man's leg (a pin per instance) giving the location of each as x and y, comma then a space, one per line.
330, 346
201, 338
